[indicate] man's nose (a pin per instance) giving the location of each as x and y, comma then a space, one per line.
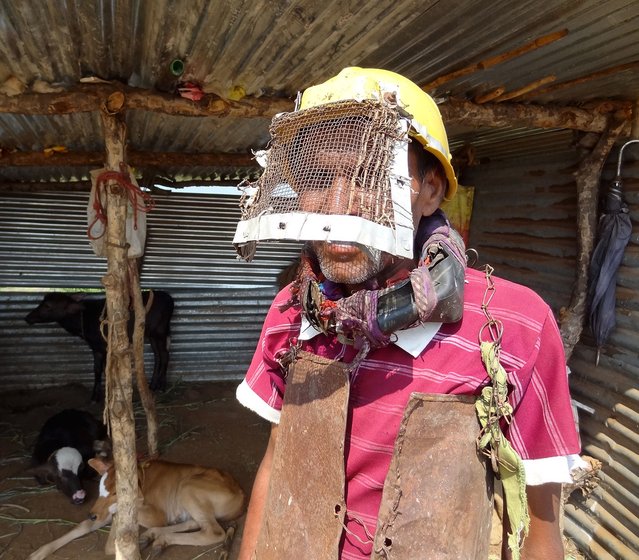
340, 196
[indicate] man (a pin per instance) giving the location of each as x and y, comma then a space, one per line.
369, 364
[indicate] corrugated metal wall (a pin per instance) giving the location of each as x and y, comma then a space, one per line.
608, 524
524, 225
220, 301
524, 222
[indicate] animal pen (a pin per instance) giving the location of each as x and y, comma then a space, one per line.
177, 95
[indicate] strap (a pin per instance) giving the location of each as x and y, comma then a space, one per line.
492, 406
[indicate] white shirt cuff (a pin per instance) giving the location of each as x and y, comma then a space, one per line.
251, 400
552, 469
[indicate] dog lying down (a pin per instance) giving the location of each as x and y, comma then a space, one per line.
178, 504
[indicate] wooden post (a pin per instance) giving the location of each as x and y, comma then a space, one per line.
588, 177
148, 402
118, 400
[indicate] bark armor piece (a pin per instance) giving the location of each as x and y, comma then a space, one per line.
437, 497
305, 506
438, 494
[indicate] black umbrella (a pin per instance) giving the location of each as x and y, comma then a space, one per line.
614, 233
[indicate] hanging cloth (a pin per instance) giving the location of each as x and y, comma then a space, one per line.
493, 408
138, 204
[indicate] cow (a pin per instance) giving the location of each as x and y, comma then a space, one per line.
81, 317
65, 443
178, 504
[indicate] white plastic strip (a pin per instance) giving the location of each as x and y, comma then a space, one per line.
400, 193
303, 226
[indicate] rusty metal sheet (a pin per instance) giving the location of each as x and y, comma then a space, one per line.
305, 505
438, 494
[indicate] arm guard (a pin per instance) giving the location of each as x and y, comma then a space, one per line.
434, 290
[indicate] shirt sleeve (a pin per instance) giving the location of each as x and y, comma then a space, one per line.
262, 389
543, 428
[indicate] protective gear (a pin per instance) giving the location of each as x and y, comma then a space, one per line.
337, 167
440, 508
435, 289
306, 509
427, 126
433, 292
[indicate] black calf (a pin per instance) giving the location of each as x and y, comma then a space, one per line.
81, 317
65, 443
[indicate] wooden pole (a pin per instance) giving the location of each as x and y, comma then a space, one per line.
493, 61
524, 89
89, 97
588, 178
118, 400
148, 402
634, 129
583, 79
161, 160
458, 111
489, 96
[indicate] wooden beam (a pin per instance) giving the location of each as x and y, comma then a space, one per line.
525, 89
583, 79
458, 111
91, 97
135, 158
490, 95
493, 61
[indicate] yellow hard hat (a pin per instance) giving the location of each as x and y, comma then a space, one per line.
371, 83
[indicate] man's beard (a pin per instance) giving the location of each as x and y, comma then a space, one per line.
334, 262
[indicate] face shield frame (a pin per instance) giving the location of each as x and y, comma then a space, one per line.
365, 143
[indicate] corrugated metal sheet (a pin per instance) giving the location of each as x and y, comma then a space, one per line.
220, 301
278, 48
600, 36
281, 46
494, 144
524, 225
607, 525
523, 222
189, 243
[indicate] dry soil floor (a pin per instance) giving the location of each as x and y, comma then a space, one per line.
199, 423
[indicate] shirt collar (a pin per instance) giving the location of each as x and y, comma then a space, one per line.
413, 340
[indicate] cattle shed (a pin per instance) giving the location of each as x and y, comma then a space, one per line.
538, 99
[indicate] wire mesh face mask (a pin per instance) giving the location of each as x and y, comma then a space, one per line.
336, 173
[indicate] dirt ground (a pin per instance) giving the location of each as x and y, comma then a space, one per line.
199, 423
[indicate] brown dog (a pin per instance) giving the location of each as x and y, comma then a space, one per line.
173, 498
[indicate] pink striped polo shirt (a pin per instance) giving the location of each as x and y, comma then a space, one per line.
542, 426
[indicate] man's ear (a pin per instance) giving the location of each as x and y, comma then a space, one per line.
431, 193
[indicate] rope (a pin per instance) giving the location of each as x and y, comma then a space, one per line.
140, 201
369, 537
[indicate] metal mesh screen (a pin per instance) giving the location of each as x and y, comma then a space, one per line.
335, 173
332, 159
